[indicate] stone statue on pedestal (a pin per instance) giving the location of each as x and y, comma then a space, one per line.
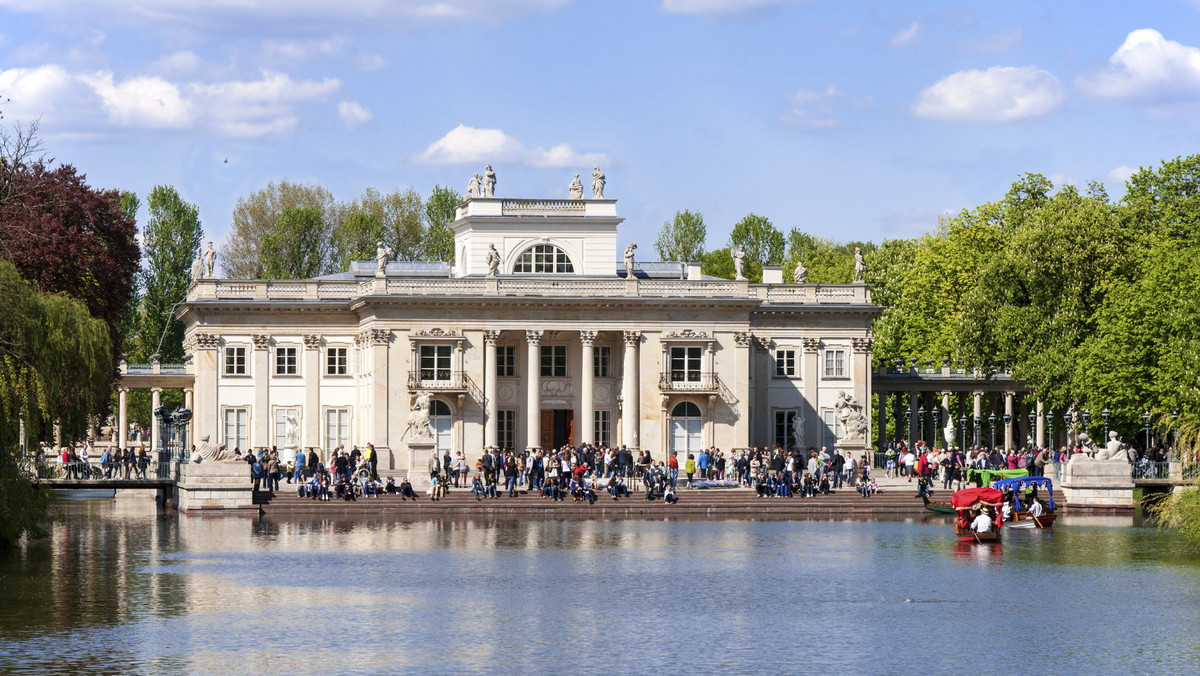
949, 433
739, 262
210, 261
418, 418
800, 276
473, 185
575, 192
798, 430
493, 260
206, 451
383, 254
597, 183
489, 182
850, 414
860, 265
292, 432
197, 269
629, 260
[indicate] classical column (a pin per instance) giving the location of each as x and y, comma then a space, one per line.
311, 416
587, 399
812, 377
187, 403
533, 390
122, 417
1041, 424
380, 340
743, 356
978, 415
262, 418
155, 431
489, 388
631, 410
1008, 411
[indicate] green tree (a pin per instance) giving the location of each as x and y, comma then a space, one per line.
719, 263
356, 237
682, 239
23, 503
401, 214
295, 248
255, 216
440, 211
763, 242
172, 241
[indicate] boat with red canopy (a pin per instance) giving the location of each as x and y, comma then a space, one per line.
970, 500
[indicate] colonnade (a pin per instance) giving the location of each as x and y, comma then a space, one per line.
999, 414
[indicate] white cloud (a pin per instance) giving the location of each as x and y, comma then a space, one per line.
354, 114
1120, 174
464, 145
698, 7
998, 94
815, 110
302, 50
68, 102
907, 35
1146, 65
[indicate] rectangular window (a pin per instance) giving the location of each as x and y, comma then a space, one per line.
603, 428
435, 362
506, 361
235, 362
685, 364
786, 434
237, 424
506, 429
601, 359
281, 427
337, 428
554, 361
785, 363
337, 361
285, 361
835, 363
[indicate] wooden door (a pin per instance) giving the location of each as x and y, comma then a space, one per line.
547, 438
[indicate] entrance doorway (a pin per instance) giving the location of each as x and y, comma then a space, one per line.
558, 428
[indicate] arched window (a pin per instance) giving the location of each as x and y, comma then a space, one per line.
545, 259
687, 428
442, 424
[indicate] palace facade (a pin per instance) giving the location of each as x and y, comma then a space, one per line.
561, 345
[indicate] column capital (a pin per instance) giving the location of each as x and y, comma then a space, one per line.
490, 337
742, 338
632, 338
587, 337
863, 345
764, 342
201, 341
261, 342
811, 345
534, 336
156, 390
312, 341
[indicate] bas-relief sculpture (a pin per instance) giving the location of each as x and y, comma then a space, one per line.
493, 260
800, 276
597, 183
575, 191
383, 254
629, 260
739, 262
860, 265
850, 414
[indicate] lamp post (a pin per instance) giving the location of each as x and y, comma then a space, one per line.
1050, 429
937, 424
908, 430
975, 437
921, 421
1105, 414
1087, 423
1146, 422
1032, 428
962, 425
1174, 430
992, 427
1007, 428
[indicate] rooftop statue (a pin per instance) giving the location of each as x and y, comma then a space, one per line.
383, 253
860, 265
739, 262
800, 276
629, 260
575, 191
597, 183
493, 260
474, 185
210, 260
197, 269
489, 182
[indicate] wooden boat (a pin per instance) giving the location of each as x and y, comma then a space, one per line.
1020, 487
939, 507
971, 500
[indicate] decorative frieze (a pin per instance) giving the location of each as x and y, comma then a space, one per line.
686, 334
436, 333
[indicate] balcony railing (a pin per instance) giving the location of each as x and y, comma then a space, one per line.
441, 380
688, 381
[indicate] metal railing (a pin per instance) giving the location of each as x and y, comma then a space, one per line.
688, 381
436, 379
1151, 470
113, 471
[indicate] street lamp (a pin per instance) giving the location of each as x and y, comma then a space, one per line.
1007, 428
1105, 414
1050, 428
992, 427
937, 423
962, 425
921, 420
1087, 423
975, 437
1174, 430
1032, 428
1146, 422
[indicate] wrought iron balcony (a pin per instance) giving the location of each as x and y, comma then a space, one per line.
437, 380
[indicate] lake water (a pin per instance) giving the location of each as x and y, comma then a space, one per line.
119, 589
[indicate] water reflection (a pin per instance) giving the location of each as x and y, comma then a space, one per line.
116, 589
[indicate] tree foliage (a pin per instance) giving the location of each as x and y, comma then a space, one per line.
440, 211
356, 237
23, 503
255, 216
682, 239
296, 248
172, 241
763, 242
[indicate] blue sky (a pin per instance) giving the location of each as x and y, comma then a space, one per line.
847, 119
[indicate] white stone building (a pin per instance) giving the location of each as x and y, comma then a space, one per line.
560, 346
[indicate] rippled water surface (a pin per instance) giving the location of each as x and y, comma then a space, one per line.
119, 589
